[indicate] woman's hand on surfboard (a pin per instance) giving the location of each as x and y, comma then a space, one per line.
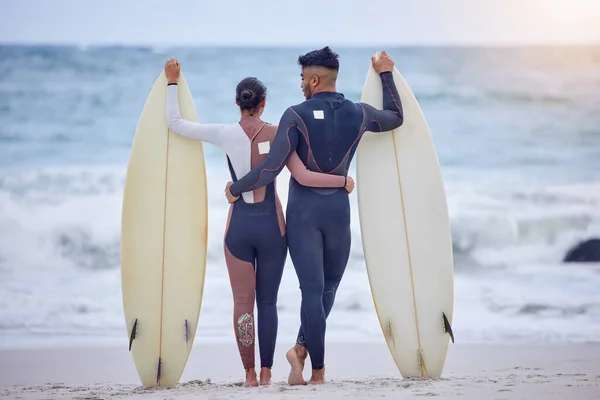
349, 184
230, 198
382, 62
172, 70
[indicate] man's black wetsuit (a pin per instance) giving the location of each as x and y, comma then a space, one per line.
325, 131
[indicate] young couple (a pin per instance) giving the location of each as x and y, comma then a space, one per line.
316, 140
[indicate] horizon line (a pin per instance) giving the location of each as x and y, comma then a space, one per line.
296, 45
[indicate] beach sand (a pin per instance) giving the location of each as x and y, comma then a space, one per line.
363, 370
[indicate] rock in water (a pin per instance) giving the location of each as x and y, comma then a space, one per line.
586, 251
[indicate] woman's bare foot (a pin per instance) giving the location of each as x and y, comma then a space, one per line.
296, 357
251, 378
318, 377
265, 376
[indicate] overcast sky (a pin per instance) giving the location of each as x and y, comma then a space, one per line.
300, 22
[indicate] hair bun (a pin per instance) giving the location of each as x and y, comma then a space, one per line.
246, 95
249, 93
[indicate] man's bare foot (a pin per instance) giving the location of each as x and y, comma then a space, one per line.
318, 377
296, 357
265, 376
251, 378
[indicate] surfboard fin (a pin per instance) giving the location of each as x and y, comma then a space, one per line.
186, 331
133, 333
158, 372
390, 333
448, 327
422, 365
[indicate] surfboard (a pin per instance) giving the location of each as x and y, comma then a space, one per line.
163, 240
406, 237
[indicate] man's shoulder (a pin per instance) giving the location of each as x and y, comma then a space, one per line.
296, 110
299, 106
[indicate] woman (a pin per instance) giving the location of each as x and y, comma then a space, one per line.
255, 233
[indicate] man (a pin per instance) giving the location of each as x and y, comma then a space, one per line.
325, 131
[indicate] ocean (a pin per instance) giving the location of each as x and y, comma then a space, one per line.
517, 131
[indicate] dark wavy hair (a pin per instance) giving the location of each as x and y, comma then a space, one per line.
320, 58
250, 92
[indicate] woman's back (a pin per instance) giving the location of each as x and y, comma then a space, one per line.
248, 148
246, 144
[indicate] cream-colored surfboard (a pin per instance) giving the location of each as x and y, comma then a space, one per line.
163, 240
406, 235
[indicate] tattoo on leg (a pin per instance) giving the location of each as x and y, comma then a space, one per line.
245, 324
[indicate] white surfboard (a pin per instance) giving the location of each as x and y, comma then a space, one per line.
163, 240
406, 235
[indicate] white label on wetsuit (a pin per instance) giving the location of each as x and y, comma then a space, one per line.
263, 147
318, 114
